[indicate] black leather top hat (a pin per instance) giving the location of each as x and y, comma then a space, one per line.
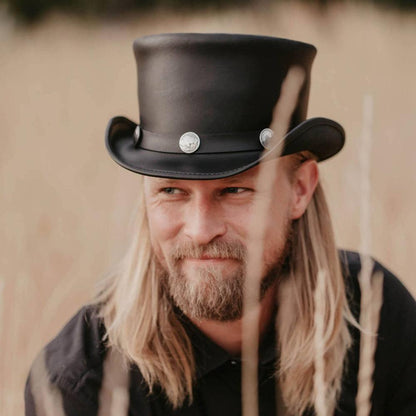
205, 100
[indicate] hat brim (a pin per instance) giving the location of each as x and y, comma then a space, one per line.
320, 136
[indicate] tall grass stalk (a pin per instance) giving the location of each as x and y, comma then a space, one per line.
2, 284
47, 398
319, 318
365, 180
2, 326
371, 286
114, 393
280, 124
14, 335
371, 301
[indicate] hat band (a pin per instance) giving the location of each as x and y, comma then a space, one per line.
209, 143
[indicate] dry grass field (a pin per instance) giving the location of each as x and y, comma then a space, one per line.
65, 206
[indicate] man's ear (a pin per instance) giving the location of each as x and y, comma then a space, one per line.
305, 180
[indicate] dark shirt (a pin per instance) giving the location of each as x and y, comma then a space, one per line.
74, 365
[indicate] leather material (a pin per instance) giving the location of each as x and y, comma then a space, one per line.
224, 88
210, 143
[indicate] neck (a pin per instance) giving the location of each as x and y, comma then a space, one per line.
229, 335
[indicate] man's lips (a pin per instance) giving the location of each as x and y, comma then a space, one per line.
208, 259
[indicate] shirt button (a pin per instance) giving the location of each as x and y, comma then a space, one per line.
233, 362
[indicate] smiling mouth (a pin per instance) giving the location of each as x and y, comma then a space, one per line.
208, 259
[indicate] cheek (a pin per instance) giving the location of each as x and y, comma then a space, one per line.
277, 227
238, 220
163, 229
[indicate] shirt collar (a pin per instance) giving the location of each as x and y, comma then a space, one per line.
209, 355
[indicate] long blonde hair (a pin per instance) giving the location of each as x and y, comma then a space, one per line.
143, 326
313, 251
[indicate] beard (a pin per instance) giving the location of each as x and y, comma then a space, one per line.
212, 292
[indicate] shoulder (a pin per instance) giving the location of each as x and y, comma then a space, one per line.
396, 298
78, 348
395, 358
70, 366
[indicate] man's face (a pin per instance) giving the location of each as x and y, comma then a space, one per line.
199, 232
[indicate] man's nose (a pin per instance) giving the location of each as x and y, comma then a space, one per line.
204, 221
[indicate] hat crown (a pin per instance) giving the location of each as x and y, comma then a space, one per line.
216, 83
206, 102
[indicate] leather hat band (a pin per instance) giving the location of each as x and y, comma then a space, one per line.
208, 143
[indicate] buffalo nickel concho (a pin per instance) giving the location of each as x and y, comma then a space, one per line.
266, 136
189, 142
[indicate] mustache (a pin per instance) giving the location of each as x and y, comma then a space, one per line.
217, 249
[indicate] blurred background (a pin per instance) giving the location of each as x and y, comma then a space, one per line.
67, 67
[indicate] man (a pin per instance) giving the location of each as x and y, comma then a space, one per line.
165, 334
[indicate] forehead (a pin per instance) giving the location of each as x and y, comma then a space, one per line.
247, 177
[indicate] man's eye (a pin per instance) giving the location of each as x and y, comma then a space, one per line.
234, 190
170, 191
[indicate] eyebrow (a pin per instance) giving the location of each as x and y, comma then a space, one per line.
166, 181
232, 180
241, 177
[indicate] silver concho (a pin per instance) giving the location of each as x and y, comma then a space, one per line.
265, 137
137, 135
189, 142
